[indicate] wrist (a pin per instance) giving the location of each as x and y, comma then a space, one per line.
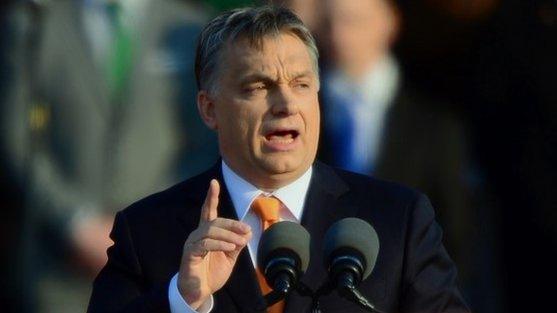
191, 292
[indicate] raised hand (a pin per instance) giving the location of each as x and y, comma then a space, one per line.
210, 251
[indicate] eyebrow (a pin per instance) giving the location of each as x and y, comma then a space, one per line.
256, 78
268, 79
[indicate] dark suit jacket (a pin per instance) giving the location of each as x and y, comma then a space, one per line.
413, 272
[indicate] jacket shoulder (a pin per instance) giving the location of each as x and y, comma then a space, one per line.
365, 184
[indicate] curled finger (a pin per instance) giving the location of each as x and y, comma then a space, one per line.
232, 225
201, 247
218, 233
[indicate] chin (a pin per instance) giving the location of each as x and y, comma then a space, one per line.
283, 165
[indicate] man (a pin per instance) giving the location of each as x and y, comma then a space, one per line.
377, 122
258, 81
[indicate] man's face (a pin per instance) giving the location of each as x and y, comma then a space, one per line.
265, 110
358, 32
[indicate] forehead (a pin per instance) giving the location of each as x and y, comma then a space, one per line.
284, 50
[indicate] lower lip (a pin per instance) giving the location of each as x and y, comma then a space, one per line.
281, 146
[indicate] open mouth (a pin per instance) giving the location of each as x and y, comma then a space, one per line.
282, 136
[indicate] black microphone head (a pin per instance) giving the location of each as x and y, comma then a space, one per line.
352, 236
284, 239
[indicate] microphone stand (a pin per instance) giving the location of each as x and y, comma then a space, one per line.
346, 290
282, 289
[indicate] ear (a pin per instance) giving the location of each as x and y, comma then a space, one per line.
206, 108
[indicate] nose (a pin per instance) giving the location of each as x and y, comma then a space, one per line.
284, 102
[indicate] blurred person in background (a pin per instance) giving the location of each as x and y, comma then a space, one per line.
378, 123
309, 11
99, 112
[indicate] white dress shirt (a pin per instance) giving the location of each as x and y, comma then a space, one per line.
242, 194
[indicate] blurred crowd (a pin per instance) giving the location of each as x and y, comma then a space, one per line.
456, 98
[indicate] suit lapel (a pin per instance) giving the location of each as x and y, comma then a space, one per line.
242, 285
322, 208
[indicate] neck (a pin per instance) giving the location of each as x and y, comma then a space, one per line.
265, 182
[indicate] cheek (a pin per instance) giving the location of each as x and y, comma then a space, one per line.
317, 121
312, 120
231, 117
245, 125
316, 130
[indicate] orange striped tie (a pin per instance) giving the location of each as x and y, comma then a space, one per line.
267, 208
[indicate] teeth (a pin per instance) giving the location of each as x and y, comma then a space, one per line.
282, 139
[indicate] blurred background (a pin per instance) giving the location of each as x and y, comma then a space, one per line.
457, 98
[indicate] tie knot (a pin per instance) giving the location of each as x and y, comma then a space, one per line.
268, 210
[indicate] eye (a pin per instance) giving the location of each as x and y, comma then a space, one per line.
302, 85
254, 88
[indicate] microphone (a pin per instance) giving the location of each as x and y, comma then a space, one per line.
350, 252
283, 257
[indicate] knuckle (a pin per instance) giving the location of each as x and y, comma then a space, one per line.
228, 223
204, 243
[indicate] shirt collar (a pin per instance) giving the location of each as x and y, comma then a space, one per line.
242, 193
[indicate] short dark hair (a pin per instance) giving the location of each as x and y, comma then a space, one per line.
251, 23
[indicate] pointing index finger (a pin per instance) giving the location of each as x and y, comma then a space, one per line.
209, 209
